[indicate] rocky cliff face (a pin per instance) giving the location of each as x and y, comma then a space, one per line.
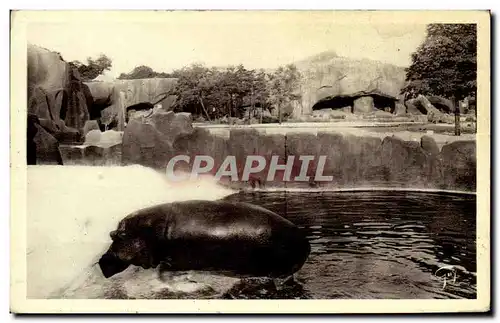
108, 106
57, 103
147, 90
328, 76
111, 99
55, 91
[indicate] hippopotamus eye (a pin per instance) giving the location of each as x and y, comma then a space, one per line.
115, 235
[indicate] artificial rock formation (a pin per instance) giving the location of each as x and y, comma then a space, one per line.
56, 94
331, 81
108, 106
57, 104
147, 90
422, 105
442, 104
150, 141
328, 76
111, 99
41, 146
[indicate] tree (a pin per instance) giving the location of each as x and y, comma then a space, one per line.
445, 63
194, 84
236, 83
93, 68
282, 86
143, 72
259, 91
215, 92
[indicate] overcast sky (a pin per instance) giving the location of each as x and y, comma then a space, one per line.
170, 40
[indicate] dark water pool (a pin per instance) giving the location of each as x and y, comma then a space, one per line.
389, 244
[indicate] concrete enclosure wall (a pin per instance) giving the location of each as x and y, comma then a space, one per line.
353, 161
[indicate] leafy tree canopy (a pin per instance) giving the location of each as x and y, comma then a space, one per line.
215, 92
445, 63
93, 68
143, 72
283, 84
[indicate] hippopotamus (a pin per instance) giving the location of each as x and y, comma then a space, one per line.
230, 238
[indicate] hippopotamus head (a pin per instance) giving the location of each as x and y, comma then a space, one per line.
135, 242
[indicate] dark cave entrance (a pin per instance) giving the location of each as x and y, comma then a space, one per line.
384, 103
335, 103
340, 102
95, 111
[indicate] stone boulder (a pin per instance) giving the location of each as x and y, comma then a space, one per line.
429, 145
363, 104
422, 105
172, 125
458, 160
413, 107
404, 161
442, 104
151, 142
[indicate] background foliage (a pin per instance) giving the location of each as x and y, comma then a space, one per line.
93, 68
445, 63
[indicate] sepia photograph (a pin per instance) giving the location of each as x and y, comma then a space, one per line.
165, 157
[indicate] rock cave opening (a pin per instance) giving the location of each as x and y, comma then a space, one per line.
384, 103
347, 103
335, 103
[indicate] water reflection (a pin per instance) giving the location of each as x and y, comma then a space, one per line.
381, 244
